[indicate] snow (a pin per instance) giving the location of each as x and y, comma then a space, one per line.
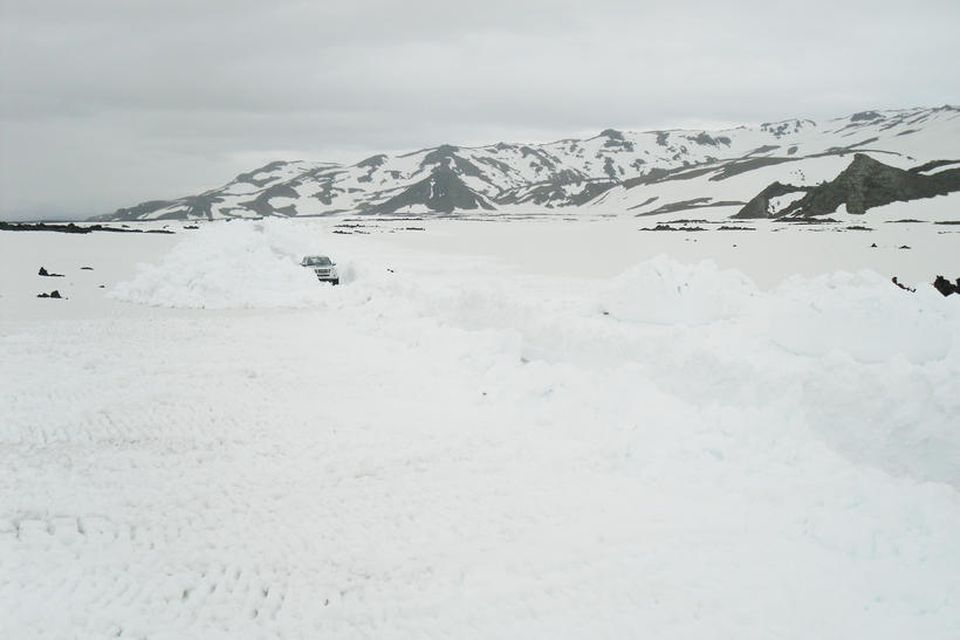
779, 203
662, 291
461, 443
238, 264
935, 209
950, 166
864, 317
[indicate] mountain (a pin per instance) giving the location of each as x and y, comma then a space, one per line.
865, 184
614, 172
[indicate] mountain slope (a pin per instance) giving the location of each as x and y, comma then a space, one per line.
865, 184
641, 173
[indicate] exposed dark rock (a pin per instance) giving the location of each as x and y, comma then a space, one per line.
442, 191
737, 167
609, 168
760, 207
946, 287
249, 178
261, 204
666, 227
767, 148
686, 205
53, 294
552, 191
786, 127
865, 116
446, 156
934, 164
901, 285
865, 184
69, 228
808, 221
615, 141
373, 161
705, 138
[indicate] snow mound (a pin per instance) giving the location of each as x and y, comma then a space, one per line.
663, 291
231, 265
863, 315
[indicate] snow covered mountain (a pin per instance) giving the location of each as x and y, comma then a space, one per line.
639, 173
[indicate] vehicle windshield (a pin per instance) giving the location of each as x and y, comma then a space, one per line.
316, 261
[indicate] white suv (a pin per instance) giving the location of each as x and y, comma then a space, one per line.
324, 267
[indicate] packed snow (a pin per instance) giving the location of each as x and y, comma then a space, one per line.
662, 291
254, 264
506, 442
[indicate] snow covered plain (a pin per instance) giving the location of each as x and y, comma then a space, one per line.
519, 430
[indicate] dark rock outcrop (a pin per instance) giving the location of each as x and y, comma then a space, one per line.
443, 191
946, 287
71, 228
897, 282
759, 206
865, 184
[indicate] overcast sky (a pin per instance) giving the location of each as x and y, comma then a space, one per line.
106, 103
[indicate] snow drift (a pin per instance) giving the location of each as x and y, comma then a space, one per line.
239, 264
863, 315
663, 291
245, 264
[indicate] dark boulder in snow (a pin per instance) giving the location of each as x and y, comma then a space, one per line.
897, 282
946, 287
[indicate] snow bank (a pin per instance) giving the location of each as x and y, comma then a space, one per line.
256, 264
663, 291
235, 264
863, 315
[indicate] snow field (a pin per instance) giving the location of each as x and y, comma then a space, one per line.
453, 449
256, 265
